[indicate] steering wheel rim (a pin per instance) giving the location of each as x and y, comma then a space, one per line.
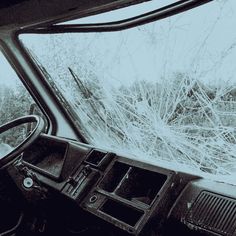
10, 157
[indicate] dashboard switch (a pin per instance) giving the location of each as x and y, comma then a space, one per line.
78, 184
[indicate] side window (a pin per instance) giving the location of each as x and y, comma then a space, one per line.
15, 101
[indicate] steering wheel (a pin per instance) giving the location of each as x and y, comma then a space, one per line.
10, 157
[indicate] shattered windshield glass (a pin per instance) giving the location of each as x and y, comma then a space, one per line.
163, 92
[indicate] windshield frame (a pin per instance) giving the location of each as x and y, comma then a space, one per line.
48, 116
57, 98
156, 15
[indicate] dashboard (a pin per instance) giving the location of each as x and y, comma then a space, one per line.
126, 196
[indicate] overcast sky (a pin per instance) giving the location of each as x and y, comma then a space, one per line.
200, 42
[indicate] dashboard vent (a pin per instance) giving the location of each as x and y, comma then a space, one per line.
214, 212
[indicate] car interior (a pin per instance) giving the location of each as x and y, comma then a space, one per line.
55, 181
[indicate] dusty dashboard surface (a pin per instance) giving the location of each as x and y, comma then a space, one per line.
129, 197
47, 156
121, 192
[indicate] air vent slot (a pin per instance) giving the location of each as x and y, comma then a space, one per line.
214, 212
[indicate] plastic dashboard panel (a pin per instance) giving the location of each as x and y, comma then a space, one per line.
207, 207
127, 195
134, 196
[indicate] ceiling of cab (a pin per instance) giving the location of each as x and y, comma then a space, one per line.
22, 13
9, 3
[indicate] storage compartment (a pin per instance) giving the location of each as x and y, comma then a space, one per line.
133, 183
121, 212
47, 155
140, 185
95, 157
114, 177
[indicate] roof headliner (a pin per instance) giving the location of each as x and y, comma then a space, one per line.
9, 3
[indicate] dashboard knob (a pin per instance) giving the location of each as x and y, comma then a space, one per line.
28, 182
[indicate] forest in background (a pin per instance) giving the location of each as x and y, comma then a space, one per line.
181, 121
14, 103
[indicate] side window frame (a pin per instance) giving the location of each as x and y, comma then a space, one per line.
36, 103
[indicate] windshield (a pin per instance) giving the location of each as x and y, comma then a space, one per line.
163, 92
